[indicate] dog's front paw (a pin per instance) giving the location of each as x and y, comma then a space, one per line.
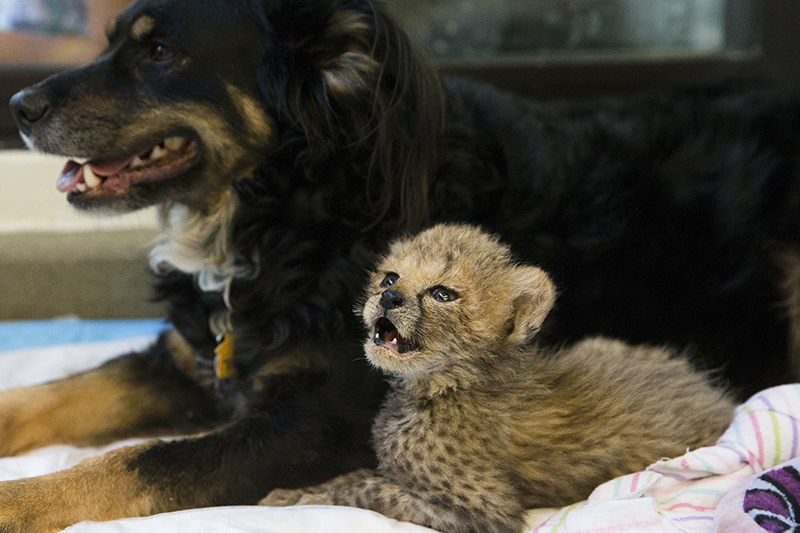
280, 498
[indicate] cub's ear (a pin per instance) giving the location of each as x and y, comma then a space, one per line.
535, 296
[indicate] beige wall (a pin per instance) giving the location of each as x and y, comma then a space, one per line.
30, 201
55, 261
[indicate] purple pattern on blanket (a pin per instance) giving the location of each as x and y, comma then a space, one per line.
772, 501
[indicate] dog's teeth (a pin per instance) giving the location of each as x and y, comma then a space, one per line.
394, 341
157, 152
81, 187
90, 178
137, 162
173, 143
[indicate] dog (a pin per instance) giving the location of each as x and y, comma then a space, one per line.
286, 144
480, 423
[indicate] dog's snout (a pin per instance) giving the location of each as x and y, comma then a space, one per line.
391, 299
28, 106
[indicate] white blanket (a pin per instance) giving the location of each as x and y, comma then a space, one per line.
36, 365
673, 496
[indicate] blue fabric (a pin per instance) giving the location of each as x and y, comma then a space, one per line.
35, 334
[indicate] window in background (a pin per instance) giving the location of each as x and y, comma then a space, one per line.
53, 33
514, 30
40, 37
585, 48
542, 48
53, 17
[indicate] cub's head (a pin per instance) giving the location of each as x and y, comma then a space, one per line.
451, 298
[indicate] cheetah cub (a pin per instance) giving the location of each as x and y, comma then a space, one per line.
480, 424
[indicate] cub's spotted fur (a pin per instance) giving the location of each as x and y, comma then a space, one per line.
481, 424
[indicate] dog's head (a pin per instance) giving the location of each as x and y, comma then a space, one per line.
191, 95
450, 298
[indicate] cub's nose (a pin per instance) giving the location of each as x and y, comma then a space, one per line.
391, 299
28, 106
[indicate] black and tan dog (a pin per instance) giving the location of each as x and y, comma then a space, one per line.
286, 142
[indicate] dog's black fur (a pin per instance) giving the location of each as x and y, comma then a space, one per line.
320, 133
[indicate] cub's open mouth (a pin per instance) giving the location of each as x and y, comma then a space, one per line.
387, 336
168, 158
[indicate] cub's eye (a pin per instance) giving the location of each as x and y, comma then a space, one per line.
390, 279
160, 53
443, 294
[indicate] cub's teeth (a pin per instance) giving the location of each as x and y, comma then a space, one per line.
173, 143
394, 341
137, 162
89, 177
157, 152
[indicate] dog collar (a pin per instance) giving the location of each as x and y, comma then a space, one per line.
223, 357
220, 325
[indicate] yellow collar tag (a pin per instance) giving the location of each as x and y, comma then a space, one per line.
223, 362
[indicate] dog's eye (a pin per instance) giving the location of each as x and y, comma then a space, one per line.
390, 279
443, 294
160, 53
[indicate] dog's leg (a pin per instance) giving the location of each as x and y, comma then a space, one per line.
97, 488
295, 445
136, 394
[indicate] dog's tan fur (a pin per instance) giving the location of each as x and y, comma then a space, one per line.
94, 407
99, 488
105, 487
142, 28
481, 424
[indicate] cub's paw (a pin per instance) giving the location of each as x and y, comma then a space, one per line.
316, 495
286, 498
346, 480
280, 498
319, 498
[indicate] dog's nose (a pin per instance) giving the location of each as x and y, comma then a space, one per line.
391, 299
28, 107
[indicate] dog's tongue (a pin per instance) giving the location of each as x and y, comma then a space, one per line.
70, 176
73, 172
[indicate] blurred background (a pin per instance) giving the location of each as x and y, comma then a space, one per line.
518, 29
54, 262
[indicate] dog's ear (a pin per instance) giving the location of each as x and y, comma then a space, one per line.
535, 296
345, 74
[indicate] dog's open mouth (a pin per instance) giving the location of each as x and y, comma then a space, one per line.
169, 158
387, 336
